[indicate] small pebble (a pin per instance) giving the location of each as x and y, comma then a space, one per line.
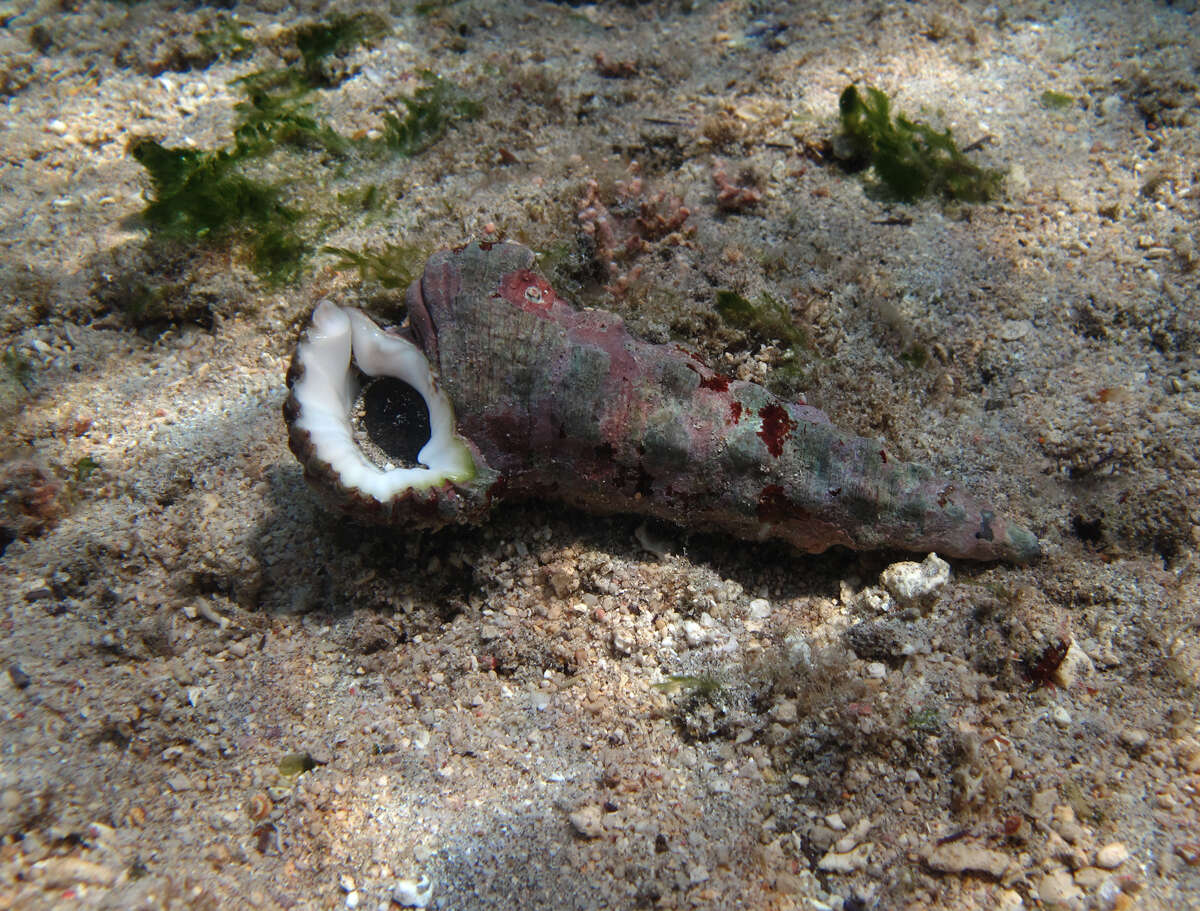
822, 837
695, 634
588, 822
623, 642
65, 872
1041, 806
854, 837
18, 677
1015, 329
799, 652
760, 609
965, 857
1112, 855
1066, 825
1058, 888
1190, 852
563, 581
1089, 878
784, 711
1134, 739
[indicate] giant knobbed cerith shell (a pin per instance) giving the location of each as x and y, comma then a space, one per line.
500, 390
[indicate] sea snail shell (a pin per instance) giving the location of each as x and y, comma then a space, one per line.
500, 390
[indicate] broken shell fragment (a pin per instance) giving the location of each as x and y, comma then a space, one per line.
413, 893
500, 390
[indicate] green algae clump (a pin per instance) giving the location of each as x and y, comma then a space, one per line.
911, 159
427, 115
201, 195
393, 266
769, 320
1055, 101
233, 194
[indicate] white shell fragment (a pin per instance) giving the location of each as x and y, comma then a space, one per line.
413, 893
339, 340
1075, 666
908, 582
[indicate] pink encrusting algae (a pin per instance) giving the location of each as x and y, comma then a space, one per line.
561, 404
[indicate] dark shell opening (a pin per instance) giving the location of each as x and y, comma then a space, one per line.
391, 422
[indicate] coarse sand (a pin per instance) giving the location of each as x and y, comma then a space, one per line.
216, 695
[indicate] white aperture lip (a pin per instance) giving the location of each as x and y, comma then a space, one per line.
341, 342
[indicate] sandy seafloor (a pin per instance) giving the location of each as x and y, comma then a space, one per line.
479, 707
